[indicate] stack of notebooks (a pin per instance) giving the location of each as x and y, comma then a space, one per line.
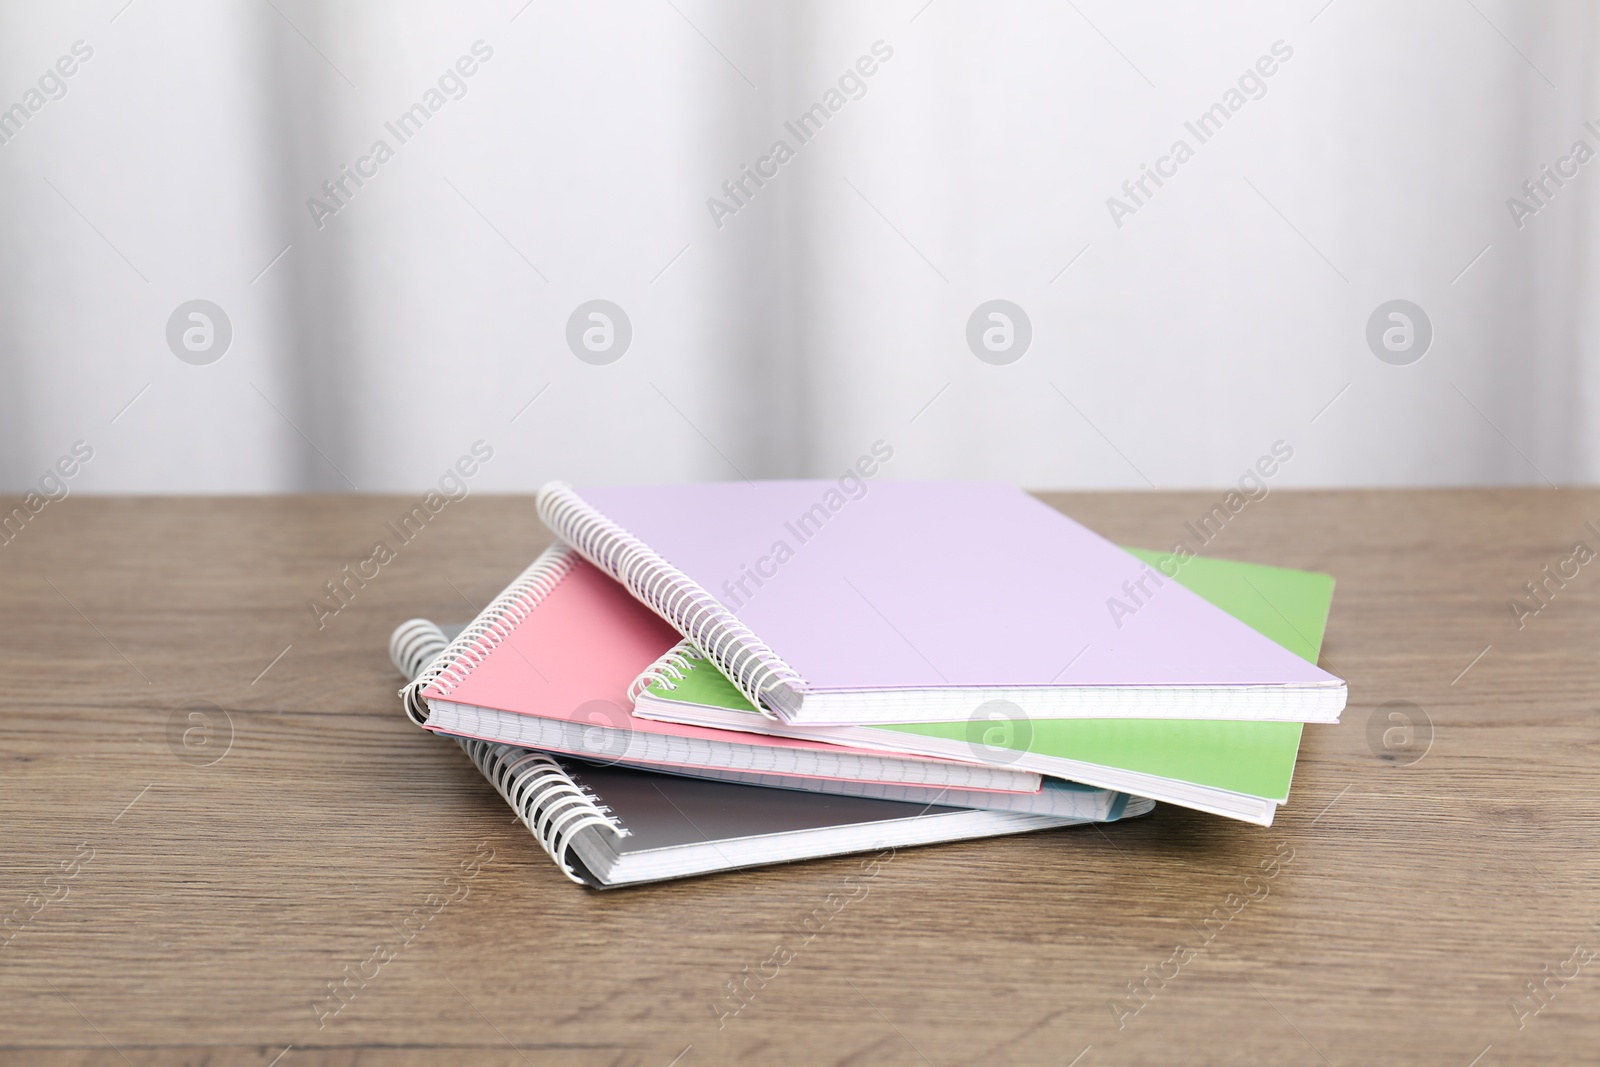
697, 678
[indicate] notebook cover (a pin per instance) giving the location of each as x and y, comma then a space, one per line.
1287, 606
666, 811
575, 655
941, 584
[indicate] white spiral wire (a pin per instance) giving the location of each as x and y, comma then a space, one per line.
450, 667
756, 670
549, 802
673, 667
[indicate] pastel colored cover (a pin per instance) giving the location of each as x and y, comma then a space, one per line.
1289, 607
940, 585
574, 656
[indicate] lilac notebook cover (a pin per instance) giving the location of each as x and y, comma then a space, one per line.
940, 584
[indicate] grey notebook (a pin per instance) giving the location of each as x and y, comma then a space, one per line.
612, 826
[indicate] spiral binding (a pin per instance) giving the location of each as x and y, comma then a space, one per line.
547, 800
414, 644
765, 679
550, 804
449, 668
673, 667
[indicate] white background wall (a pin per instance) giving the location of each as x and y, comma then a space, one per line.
1224, 316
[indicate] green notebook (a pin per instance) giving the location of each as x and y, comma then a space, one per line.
1234, 768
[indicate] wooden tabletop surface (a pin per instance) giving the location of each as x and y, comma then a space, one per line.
213, 809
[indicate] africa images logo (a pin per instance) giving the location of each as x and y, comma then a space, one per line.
199, 332
1399, 332
999, 332
599, 332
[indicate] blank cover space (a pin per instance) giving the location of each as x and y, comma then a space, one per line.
935, 584
664, 811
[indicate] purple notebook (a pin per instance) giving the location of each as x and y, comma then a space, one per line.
928, 602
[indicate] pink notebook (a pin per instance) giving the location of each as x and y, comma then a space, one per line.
549, 666
863, 602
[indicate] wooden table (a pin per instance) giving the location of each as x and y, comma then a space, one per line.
213, 808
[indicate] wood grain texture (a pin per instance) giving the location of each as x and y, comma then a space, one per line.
213, 902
